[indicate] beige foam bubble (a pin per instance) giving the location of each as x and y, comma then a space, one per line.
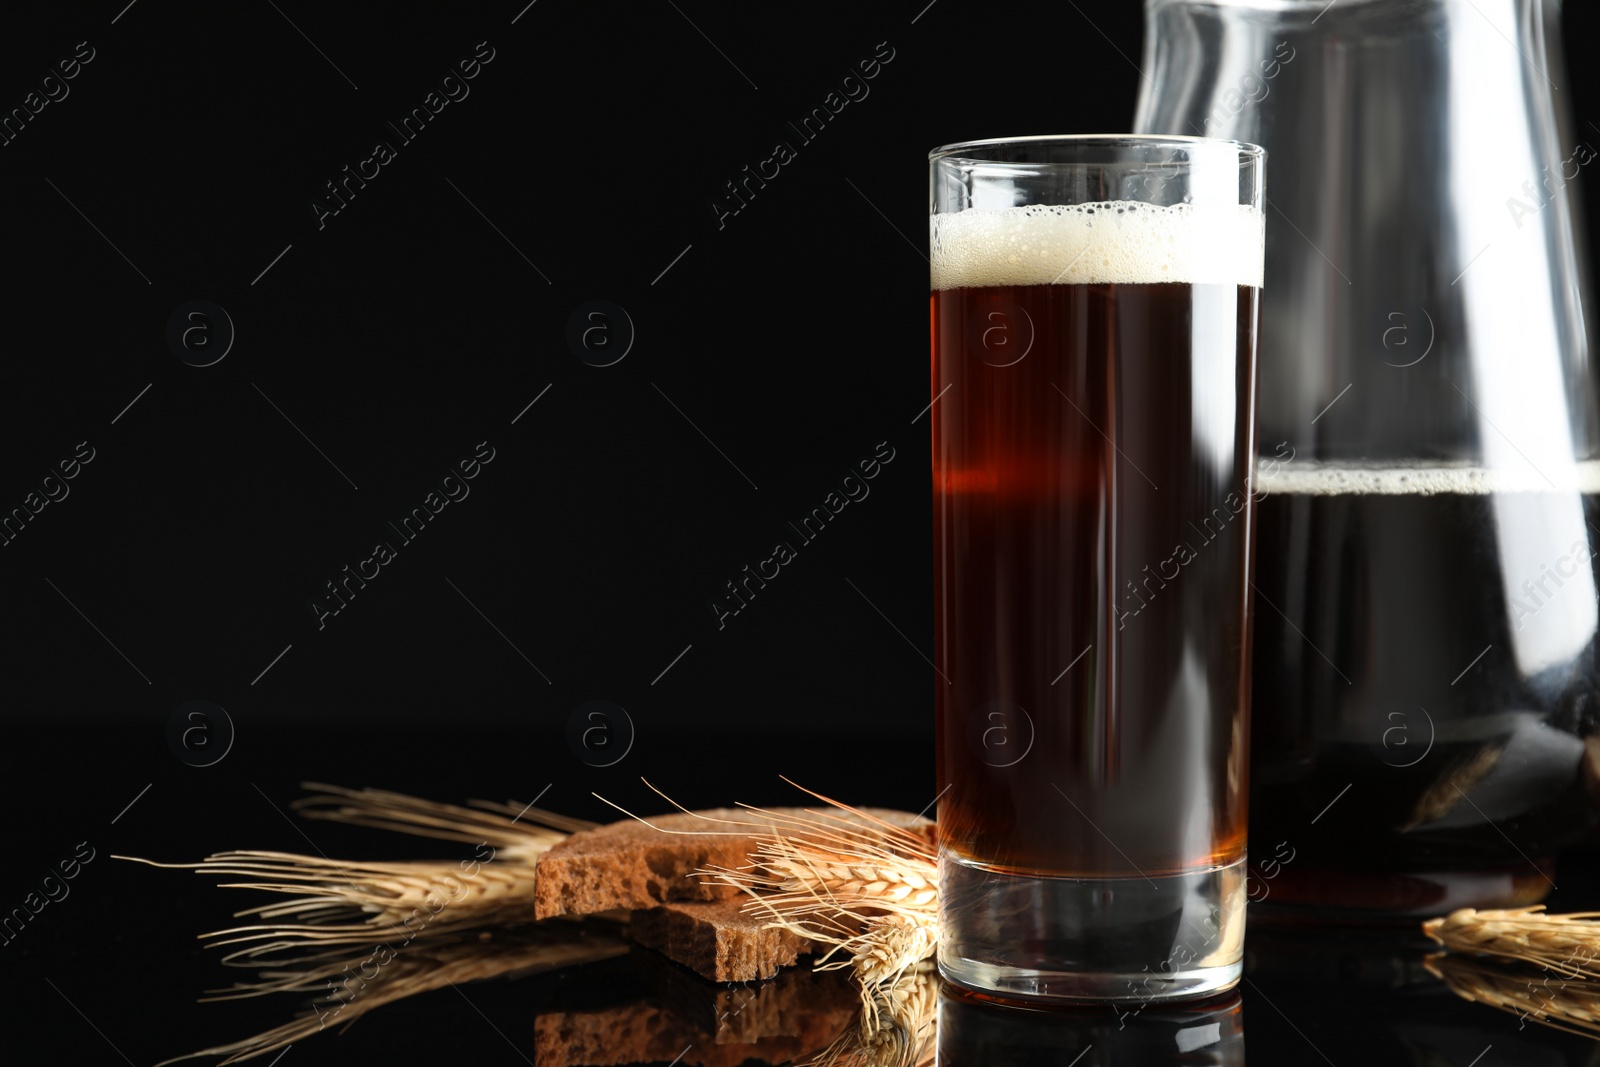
1118, 241
1322, 479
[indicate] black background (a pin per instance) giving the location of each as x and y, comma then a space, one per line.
772, 353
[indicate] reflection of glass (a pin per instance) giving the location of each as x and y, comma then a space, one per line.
1093, 314
978, 1033
1425, 613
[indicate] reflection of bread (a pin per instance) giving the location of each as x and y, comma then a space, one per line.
717, 940
787, 1019
630, 865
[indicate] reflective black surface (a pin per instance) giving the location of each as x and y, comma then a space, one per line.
122, 949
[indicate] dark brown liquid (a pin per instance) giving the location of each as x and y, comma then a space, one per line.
1051, 544
1425, 681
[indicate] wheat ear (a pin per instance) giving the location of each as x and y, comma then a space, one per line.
1567, 944
1572, 1005
335, 903
891, 947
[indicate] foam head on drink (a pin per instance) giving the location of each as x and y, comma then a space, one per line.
1116, 242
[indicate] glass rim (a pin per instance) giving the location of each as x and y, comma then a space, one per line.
1248, 152
1264, 5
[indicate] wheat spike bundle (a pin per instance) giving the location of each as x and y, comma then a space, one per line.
338, 903
890, 947
1569, 1004
364, 934
1566, 944
866, 888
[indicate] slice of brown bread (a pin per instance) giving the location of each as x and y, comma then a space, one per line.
628, 864
717, 940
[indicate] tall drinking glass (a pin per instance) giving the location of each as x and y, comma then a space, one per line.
1093, 314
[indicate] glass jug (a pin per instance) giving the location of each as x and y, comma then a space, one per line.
1426, 726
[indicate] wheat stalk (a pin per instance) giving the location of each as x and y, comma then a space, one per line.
1567, 944
1572, 1005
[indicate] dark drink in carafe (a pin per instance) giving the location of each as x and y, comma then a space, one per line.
1093, 451
1431, 663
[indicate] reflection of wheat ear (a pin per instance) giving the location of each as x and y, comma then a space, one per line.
1452, 786
1568, 944
897, 1026
427, 963
1572, 1005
